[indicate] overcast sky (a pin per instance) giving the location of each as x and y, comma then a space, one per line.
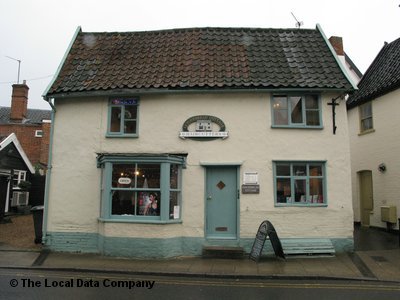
38, 32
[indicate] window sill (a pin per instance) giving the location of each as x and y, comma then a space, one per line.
366, 132
122, 135
296, 127
111, 220
301, 205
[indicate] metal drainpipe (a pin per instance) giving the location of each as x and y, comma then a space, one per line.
48, 174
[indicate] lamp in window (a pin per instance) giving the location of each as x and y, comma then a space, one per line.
382, 168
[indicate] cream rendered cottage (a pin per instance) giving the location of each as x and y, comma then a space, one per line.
167, 142
375, 143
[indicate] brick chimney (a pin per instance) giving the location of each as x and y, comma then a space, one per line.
337, 44
19, 102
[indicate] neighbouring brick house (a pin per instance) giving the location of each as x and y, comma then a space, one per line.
31, 126
169, 142
30, 130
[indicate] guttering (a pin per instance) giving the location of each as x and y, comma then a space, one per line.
342, 68
48, 175
155, 91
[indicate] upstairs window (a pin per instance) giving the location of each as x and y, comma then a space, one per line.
123, 117
296, 111
366, 124
39, 133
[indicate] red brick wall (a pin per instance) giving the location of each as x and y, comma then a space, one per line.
44, 148
36, 148
19, 101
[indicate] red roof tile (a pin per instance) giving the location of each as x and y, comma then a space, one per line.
199, 58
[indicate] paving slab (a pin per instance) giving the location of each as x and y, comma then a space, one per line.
18, 258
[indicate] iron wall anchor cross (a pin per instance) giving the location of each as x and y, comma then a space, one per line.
333, 103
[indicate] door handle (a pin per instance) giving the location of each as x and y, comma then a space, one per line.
209, 197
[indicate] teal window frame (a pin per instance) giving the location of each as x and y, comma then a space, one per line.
291, 123
122, 103
106, 162
309, 200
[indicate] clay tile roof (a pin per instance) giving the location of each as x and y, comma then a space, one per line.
382, 76
199, 58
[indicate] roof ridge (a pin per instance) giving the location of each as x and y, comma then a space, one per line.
375, 81
188, 29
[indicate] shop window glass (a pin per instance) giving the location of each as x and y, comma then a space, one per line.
299, 183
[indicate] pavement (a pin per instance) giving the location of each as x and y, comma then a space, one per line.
376, 258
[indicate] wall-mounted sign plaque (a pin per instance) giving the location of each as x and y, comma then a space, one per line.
201, 127
250, 178
250, 189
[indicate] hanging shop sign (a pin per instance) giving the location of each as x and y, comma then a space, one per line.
203, 127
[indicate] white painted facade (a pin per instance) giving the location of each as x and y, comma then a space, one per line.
80, 127
368, 151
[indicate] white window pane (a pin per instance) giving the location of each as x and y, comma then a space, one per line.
312, 117
148, 176
280, 108
312, 102
130, 112
130, 127
283, 170
123, 176
316, 190
174, 177
115, 125
300, 170
297, 111
315, 170
281, 117
174, 205
283, 190
300, 190
123, 203
366, 124
153, 206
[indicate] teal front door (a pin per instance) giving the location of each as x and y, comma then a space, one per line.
221, 202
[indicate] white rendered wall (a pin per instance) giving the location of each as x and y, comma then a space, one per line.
371, 149
81, 125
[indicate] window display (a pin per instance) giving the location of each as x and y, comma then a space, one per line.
299, 183
142, 190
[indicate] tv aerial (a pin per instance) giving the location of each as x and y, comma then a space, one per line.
298, 23
19, 65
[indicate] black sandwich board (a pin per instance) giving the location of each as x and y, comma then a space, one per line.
266, 229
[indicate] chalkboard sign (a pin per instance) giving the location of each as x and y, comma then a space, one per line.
275, 241
259, 241
266, 229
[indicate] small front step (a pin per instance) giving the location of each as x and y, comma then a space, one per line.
223, 252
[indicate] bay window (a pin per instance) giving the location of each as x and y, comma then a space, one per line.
141, 188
